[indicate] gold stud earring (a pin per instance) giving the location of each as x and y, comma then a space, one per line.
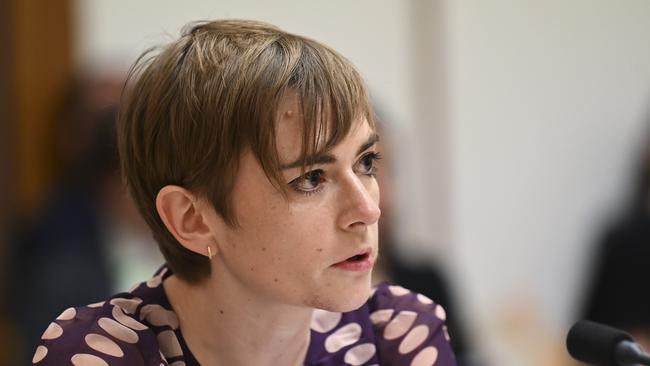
209, 253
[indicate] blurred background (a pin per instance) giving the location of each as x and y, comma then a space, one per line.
518, 133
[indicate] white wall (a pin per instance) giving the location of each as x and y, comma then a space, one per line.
549, 102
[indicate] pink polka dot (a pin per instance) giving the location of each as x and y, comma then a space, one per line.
425, 300
381, 316
118, 330
68, 314
398, 290
426, 357
360, 354
440, 312
323, 321
128, 305
53, 331
124, 319
344, 336
39, 355
414, 339
169, 345
156, 280
84, 359
104, 345
400, 324
159, 316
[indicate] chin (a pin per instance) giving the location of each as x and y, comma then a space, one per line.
347, 297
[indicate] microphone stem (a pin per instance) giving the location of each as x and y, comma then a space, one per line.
629, 353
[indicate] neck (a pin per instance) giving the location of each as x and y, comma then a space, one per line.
223, 323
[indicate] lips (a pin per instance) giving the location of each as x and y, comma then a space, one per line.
362, 261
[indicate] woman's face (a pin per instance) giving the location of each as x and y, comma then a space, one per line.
301, 250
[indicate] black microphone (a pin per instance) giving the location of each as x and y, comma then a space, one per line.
602, 345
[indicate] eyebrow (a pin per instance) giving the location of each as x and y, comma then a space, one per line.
327, 158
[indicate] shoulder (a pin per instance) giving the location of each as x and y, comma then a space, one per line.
105, 333
409, 327
118, 331
395, 327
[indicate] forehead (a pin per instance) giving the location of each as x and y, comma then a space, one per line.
290, 129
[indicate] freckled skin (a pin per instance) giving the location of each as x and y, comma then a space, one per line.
304, 235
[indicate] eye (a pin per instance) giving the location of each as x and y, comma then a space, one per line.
367, 163
309, 182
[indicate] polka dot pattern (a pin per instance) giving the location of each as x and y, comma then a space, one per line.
400, 324
169, 345
381, 316
84, 359
358, 355
41, 352
426, 357
53, 331
123, 319
128, 305
398, 290
414, 339
159, 316
403, 325
344, 336
323, 321
156, 280
440, 312
118, 330
67, 314
445, 332
423, 299
104, 345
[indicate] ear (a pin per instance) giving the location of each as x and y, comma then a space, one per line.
183, 215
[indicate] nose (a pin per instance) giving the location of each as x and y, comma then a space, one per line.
360, 203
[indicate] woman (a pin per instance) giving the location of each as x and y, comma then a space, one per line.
251, 154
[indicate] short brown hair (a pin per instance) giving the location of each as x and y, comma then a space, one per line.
191, 109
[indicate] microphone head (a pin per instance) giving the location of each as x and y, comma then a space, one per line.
594, 343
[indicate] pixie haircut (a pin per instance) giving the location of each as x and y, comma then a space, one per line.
191, 108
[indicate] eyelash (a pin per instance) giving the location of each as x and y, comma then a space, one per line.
373, 157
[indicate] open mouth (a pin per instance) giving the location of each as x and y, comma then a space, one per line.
358, 257
359, 262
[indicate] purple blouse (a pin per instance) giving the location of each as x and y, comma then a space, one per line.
395, 327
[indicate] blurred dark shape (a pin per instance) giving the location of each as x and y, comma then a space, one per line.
617, 295
425, 277
58, 255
